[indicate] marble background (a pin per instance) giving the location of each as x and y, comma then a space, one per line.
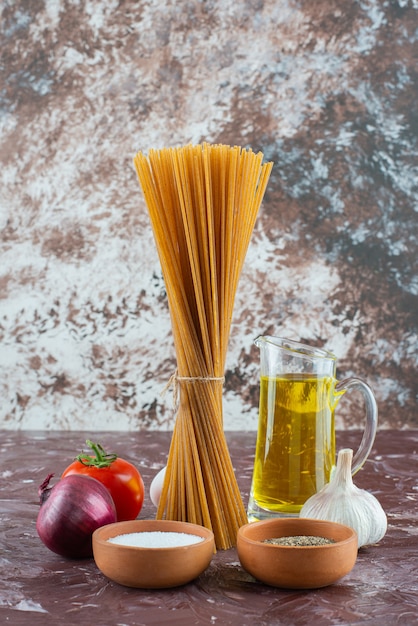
327, 89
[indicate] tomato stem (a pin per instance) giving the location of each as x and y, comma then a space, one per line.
102, 458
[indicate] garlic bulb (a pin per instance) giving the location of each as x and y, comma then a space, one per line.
341, 501
156, 487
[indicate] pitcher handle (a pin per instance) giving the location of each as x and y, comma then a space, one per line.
370, 429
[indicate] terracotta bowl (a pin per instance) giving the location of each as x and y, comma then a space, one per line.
152, 567
297, 567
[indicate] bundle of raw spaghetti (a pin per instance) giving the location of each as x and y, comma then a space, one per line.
203, 201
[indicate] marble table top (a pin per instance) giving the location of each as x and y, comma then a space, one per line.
37, 587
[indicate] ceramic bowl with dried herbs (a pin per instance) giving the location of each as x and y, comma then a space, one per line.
297, 553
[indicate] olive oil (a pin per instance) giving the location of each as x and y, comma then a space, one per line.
295, 449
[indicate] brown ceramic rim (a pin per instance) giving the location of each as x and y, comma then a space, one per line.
206, 534
329, 546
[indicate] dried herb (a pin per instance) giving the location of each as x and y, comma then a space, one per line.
299, 540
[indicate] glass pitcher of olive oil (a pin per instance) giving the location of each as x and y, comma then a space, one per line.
295, 446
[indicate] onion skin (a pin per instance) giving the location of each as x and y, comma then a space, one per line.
70, 512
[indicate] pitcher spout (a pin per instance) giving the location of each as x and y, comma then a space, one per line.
259, 341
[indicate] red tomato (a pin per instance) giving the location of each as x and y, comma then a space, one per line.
121, 478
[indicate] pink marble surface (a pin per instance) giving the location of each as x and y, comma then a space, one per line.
40, 588
327, 90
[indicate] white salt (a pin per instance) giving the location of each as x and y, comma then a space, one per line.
156, 539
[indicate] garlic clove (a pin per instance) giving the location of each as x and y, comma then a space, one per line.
156, 487
341, 501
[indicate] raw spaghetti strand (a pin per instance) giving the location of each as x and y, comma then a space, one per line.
203, 201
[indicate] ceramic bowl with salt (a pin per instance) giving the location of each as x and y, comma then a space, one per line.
331, 555
152, 554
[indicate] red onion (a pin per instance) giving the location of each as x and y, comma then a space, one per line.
70, 512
